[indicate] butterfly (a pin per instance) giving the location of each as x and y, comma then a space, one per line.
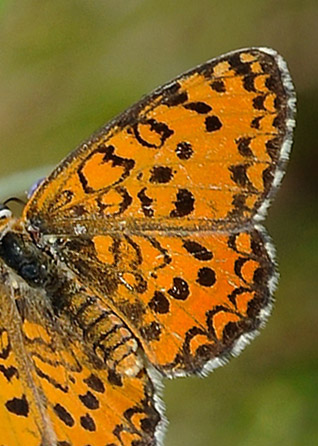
142, 256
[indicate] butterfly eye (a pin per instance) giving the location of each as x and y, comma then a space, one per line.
5, 212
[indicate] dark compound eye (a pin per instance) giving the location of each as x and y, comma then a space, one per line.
30, 271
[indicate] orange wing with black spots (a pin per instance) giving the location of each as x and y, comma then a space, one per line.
150, 210
201, 150
143, 250
57, 391
188, 297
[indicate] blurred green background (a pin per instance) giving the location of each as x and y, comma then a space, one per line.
67, 66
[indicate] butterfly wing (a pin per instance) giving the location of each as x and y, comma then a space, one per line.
202, 150
188, 297
158, 212
53, 394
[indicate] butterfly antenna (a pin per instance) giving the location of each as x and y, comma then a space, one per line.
15, 200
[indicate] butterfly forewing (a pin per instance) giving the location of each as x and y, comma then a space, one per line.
204, 149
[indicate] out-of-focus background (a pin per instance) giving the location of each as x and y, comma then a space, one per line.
66, 67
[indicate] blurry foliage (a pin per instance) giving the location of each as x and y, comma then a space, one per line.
69, 66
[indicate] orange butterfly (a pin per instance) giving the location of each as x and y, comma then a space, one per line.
142, 256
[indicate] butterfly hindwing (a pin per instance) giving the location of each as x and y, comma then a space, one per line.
183, 317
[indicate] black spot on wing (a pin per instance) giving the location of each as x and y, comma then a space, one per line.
206, 277
241, 68
239, 206
279, 121
146, 203
258, 102
199, 107
173, 95
239, 175
184, 150
243, 146
88, 423
64, 415
161, 174
218, 85
255, 123
180, 289
212, 123
95, 383
176, 99
249, 82
238, 266
18, 406
159, 303
198, 251
114, 378
8, 372
184, 204
89, 400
